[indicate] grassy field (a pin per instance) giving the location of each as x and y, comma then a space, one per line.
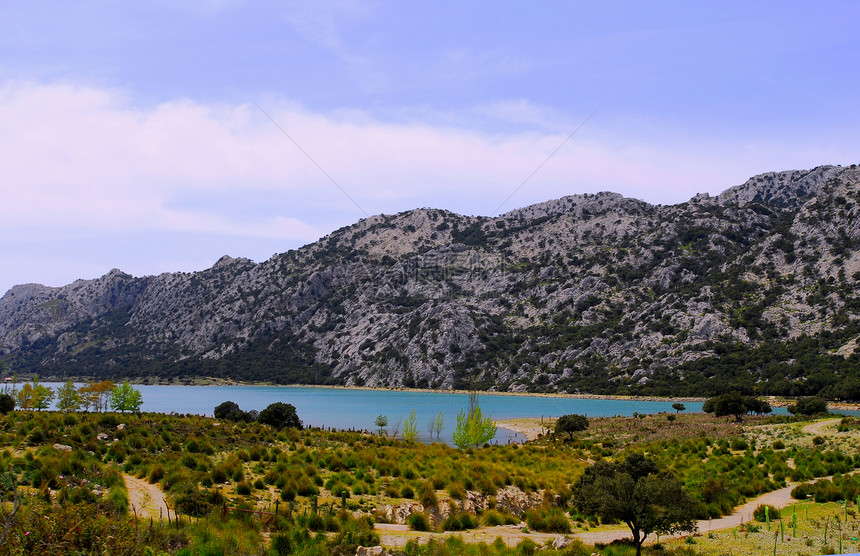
805, 535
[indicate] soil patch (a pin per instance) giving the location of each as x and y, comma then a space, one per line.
144, 499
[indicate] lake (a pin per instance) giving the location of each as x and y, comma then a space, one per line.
344, 408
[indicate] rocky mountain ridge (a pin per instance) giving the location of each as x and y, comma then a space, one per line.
753, 289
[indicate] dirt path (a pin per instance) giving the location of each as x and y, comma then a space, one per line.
820, 428
146, 499
742, 514
396, 536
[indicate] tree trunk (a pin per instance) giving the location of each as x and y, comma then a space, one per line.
637, 541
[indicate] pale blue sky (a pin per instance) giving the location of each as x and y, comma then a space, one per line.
130, 135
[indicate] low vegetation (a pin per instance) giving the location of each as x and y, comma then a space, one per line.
240, 486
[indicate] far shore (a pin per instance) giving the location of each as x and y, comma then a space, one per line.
772, 400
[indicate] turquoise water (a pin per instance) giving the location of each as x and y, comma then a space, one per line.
343, 408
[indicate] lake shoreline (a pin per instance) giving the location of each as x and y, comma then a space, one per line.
772, 400
562, 395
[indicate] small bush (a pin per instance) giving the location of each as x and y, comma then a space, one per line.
156, 474
493, 518
460, 522
457, 491
739, 444
418, 522
548, 520
759, 513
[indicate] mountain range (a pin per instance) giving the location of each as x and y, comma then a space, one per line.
755, 290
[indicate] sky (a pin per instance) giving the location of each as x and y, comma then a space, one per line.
154, 138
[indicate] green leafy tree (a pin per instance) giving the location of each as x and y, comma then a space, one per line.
68, 398
125, 397
735, 404
410, 428
570, 424
381, 422
635, 493
473, 429
231, 412
280, 415
34, 395
42, 396
757, 406
727, 404
808, 406
678, 407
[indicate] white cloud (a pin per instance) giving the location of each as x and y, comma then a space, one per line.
84, 157
93, 181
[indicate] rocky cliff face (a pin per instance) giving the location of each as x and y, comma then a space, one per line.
756, 288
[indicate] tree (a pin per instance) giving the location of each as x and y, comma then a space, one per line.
24, 397
678, 407
808, 406
410, 428
7, 403
757, 406
280, 415
125, 398
570, 424
381, 422
473, 429
34, 395
439, 424
634, 492
95, 395
727, 404
42, 396
735, 404
68, 398
231, 412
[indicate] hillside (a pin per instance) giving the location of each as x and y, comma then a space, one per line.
756, 288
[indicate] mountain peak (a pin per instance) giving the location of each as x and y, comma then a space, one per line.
588, 293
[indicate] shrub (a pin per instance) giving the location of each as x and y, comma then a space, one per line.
156, 474
460, 522
493, 518
7, 403
288, 493
548, 520
281, 544
218, 475
457, 491
418, 522
772, 512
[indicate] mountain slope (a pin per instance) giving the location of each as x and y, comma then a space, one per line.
754, 288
